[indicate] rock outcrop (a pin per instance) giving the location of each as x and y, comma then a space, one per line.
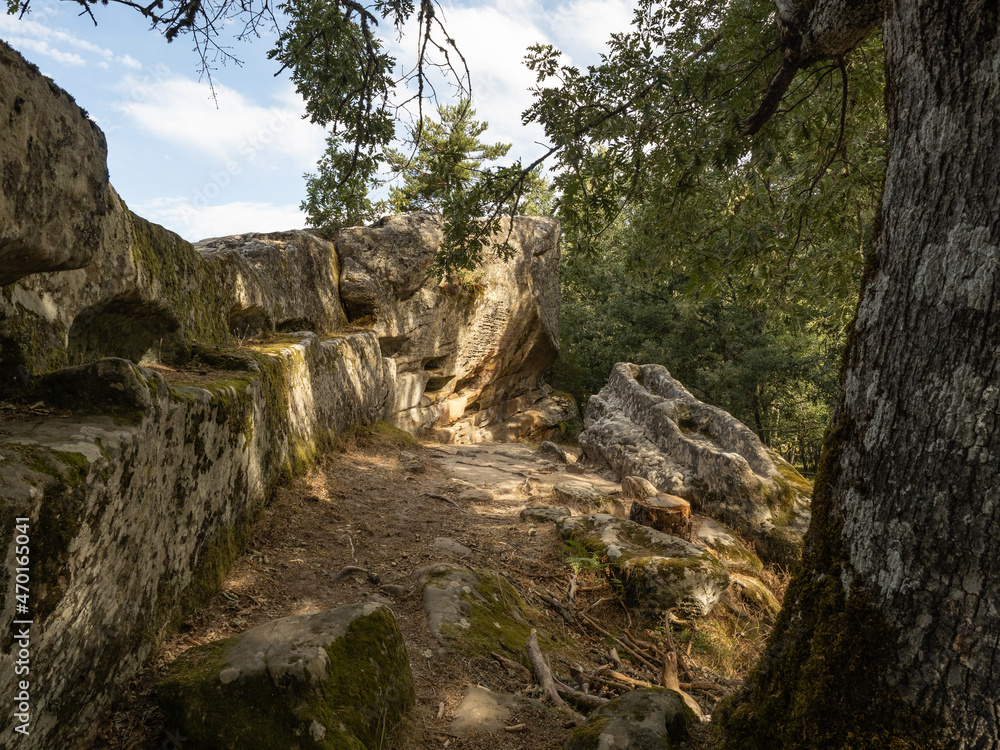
334, 679
469, 355
646, 424
153, 297
54, 191
658, 571
640, 720
136, 512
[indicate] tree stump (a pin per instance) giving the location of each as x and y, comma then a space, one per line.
667, 513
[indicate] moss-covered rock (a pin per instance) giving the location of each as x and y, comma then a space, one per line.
657, 571
332, 680
639, 720
585, 497
54, 175
473, 610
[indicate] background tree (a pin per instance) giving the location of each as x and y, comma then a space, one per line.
446, 160
733, 261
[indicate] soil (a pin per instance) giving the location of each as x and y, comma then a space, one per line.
372, 506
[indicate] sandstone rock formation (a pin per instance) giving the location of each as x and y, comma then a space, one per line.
646, 424
154, 297
469, 355
138, 511
658, 571
334, 679
142, 491
54, 192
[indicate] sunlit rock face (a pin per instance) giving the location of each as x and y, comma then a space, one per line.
644, 423
470, 353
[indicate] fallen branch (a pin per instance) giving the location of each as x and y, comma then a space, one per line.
579, 698
595, 604
704, 685
558, 606
445, 499
671, 682
544, 675
619, 641
352, 569
513, 666
626, 679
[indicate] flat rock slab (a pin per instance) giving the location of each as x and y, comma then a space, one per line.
640, 720
483, 711
550, 513
332, 679
658, 571
585, 495
451, 547
502, 468
472, 610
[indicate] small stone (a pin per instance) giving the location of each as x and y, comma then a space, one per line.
575, 469
552, 452
229, 674
444, 544
476, 495
411, 462
397, 592
545, 513
637, 488
317, 731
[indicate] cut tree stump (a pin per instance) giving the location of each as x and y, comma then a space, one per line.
667, 513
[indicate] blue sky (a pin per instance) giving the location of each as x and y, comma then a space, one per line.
205, 167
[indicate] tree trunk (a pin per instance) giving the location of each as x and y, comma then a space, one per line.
890, 637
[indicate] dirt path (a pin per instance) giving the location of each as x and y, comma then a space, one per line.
372, 506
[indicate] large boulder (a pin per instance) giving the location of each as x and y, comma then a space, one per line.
335, 679
54, 192
658, 571
639, 720
470, 353
644, 423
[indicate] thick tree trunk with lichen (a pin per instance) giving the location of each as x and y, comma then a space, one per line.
890, 636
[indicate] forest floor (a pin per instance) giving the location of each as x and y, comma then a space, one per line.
367, 505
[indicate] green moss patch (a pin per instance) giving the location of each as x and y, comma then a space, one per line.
365, 693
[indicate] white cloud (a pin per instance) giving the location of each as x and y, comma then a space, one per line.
494, 37
40, 47
194, 222
35, 37
181, 112
582, 27
129, 62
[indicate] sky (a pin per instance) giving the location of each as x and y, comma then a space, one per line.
207, 167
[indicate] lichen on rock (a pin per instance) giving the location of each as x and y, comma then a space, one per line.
645, 424
658, 572
335, 679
